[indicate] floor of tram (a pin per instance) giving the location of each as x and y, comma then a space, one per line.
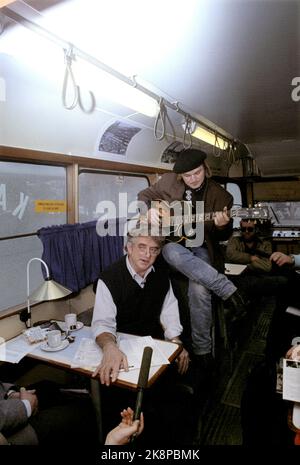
221, 424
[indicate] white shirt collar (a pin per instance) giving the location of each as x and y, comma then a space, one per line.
138, 278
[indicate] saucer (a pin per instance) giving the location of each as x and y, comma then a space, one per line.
79, 325
62, 346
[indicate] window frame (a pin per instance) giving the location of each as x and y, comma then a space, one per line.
74, 165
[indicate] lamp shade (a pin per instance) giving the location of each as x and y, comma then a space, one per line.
49, 290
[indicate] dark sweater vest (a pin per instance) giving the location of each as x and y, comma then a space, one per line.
138, 309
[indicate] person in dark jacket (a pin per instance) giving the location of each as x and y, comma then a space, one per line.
264, 413
45, 415
252, 249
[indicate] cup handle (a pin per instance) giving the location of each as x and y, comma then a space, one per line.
64, 335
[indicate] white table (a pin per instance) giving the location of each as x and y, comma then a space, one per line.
128, 379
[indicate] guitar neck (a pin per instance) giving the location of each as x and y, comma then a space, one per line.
183, 213
197, 218
210, 216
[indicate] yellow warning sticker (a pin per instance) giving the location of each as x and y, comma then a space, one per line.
50, 206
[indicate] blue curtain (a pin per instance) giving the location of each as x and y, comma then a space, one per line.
76, 254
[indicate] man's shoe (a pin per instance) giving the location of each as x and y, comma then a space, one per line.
236, 306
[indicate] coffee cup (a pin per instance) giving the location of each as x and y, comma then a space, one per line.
71, 321
54, 338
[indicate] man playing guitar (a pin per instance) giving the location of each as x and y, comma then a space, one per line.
202, 264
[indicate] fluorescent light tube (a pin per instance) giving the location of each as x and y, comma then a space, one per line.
105, 85
210, 138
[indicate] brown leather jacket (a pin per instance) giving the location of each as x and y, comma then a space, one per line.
215, 199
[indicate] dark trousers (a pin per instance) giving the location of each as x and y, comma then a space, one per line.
263, 412
253, 285
167, 409
284, 326
63, 418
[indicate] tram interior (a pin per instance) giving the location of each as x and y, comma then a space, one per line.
229, 67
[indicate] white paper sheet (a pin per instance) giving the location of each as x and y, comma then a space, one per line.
291, 380
296, 415
293, 311
14, 350
234, 268
133, 347
89, 355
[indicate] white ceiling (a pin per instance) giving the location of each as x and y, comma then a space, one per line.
231, 62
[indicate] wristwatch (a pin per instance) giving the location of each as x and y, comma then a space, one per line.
12, 390
293, 260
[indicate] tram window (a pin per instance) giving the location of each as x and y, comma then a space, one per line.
14, 254
96, 187
235, 191
284, 214
31, 197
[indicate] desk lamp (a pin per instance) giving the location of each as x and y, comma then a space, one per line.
48, 290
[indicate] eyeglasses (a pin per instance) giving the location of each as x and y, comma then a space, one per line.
152, 250
247, 229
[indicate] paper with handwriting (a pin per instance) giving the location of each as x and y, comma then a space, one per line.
89, 354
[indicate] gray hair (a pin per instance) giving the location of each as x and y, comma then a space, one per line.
146, 230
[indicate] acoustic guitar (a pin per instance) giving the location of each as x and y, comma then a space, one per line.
178, 216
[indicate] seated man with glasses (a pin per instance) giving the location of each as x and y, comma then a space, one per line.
134, 296
255, 251
250, 249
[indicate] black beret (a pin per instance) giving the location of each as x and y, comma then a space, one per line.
188, 160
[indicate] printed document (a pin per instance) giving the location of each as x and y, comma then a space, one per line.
291, 380
89, 354
14, 350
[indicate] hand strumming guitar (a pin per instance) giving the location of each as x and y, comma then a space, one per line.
153, 216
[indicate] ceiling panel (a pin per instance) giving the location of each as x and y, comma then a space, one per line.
229, 62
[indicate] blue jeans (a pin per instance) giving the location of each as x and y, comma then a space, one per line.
203, 279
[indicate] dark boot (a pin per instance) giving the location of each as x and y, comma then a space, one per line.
236, 306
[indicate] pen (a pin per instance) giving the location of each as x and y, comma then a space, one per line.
121, 370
